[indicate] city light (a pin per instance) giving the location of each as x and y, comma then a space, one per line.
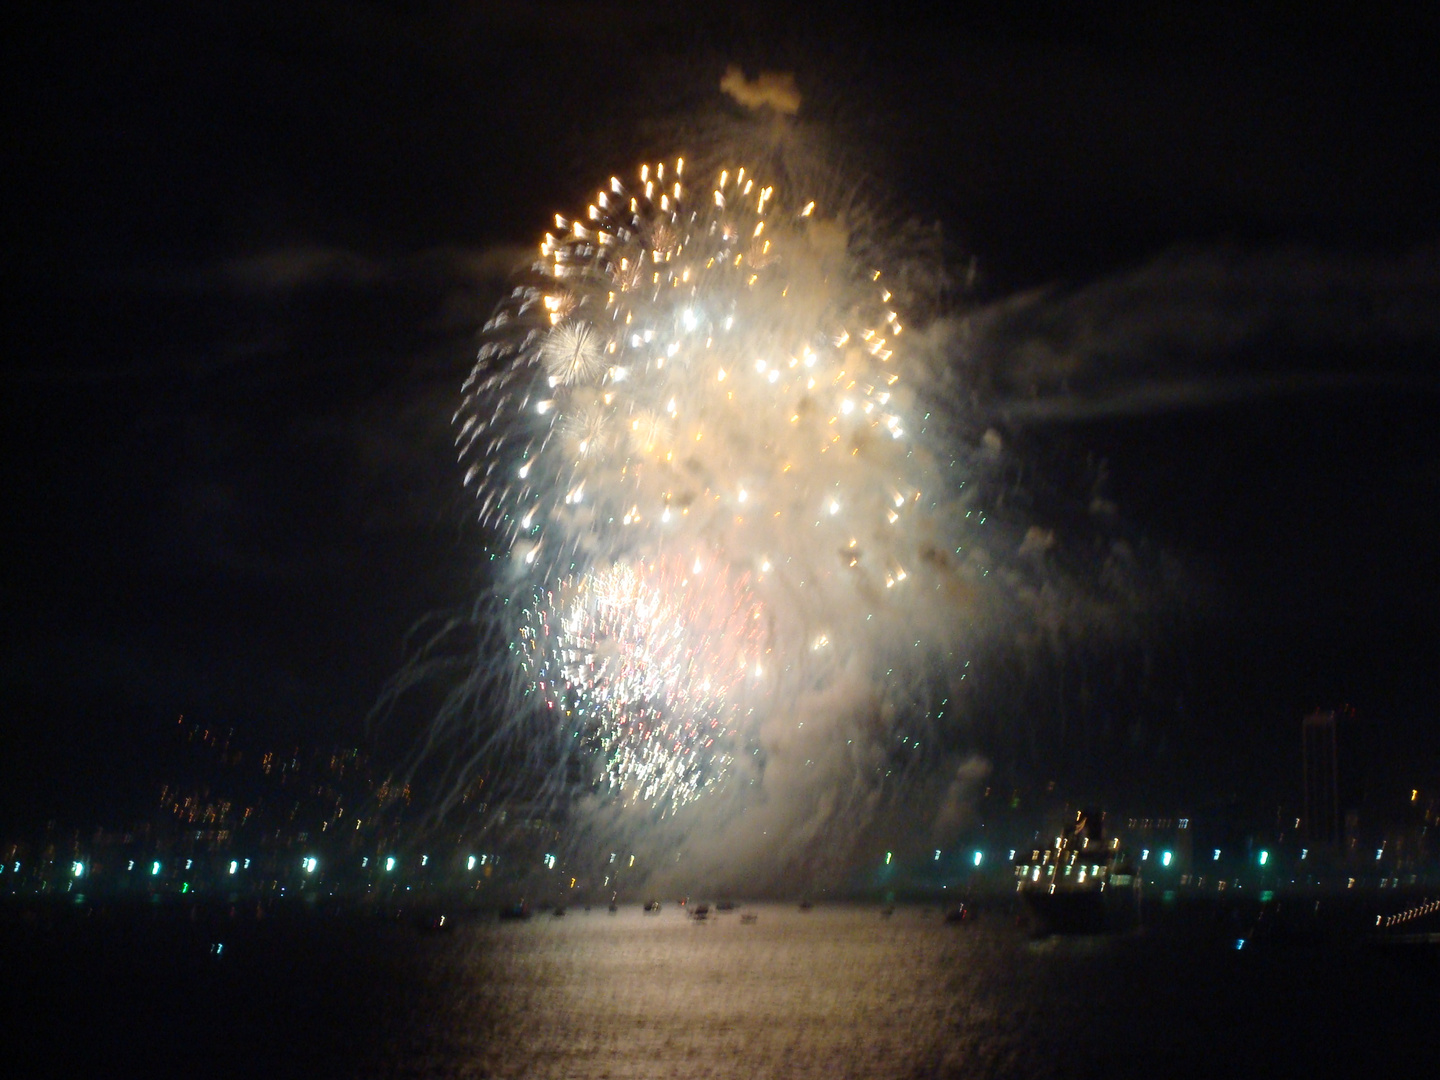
1165, 859
78, 869
887, 858
470, 862
234, 866
154, 868
310, 863
1264, 857
390, 864
1217, 855
937, 854
979, 857
1144, 854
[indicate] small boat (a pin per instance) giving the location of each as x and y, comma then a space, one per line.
701, 913
652, 907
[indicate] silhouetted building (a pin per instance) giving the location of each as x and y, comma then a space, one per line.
1321, 824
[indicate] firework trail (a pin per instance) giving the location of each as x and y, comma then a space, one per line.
690, 424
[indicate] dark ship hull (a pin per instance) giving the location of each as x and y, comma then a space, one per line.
1082, 911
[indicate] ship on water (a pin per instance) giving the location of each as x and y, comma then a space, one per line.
1083, 883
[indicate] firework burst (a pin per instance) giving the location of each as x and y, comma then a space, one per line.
688, 413
656, 663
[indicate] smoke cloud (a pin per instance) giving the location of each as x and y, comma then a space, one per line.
772, 89
1201, 327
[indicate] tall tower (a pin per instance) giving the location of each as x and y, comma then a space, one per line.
1322, 795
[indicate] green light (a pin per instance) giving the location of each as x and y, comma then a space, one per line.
185, 887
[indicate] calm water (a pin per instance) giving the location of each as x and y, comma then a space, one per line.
835, 992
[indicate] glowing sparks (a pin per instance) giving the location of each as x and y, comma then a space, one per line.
650, 662
614, 379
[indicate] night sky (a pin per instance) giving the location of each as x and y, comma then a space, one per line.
248, 248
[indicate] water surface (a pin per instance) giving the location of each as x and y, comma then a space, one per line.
833, 992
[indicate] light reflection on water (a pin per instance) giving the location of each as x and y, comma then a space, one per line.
830, 992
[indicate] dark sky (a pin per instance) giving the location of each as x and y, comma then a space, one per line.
248, 247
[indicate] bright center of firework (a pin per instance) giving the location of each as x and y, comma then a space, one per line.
704, 371
652, 663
